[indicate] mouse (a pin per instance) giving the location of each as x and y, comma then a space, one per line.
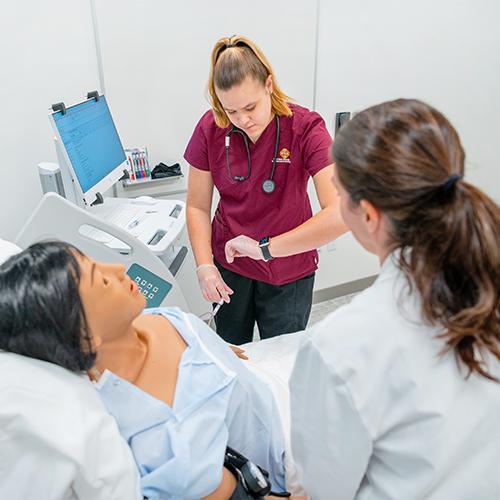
144, 200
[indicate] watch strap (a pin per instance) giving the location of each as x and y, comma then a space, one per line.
264, 247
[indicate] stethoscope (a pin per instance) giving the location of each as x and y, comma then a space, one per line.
268, 186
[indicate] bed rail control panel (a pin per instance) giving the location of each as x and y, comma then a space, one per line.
154, 288
158, 227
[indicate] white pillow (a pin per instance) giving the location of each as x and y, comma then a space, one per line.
7, 249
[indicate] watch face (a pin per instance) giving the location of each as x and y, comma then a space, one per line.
264, 241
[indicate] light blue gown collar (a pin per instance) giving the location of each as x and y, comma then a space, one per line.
114, 390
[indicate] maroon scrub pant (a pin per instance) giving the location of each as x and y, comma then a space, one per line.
277, 309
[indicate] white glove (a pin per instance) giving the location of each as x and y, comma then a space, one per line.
213, 287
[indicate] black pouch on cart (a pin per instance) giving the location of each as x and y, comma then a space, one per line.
162, 170
252, 480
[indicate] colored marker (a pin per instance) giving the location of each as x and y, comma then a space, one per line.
133, 165
146, 162
138, 163
143, 164
131, 168
138, 172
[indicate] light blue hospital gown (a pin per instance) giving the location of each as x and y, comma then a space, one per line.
218, 402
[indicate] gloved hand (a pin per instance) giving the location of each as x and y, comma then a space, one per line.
243, 246
213, 287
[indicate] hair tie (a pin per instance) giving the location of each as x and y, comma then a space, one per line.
448, 184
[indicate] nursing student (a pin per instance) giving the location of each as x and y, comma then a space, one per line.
258, 149
397, 395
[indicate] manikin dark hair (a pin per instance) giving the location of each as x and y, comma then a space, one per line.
41, 314
405, 158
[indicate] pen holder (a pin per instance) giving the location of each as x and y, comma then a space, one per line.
138, 164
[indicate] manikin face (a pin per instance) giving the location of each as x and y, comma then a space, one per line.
357, 218
111, 300
248, 105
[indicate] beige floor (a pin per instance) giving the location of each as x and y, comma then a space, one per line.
323, 309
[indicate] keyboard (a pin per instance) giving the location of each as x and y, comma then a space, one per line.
125, 216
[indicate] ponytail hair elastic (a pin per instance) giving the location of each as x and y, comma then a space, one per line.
449, 183
229, 45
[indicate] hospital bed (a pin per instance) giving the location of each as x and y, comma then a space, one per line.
57, 218
270, 360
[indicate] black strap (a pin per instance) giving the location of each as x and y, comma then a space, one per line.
240, 492
238, 460
237, 464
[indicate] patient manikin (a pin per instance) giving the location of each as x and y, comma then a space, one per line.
208, 399
56, 438
177, 391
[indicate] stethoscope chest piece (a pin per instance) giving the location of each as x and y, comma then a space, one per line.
268, 186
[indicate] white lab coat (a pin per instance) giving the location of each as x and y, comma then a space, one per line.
377, 414
57, 440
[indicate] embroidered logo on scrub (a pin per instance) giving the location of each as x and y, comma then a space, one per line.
284, 156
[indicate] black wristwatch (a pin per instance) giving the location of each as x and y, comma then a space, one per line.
264, 247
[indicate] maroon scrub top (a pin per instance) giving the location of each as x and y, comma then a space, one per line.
244, 208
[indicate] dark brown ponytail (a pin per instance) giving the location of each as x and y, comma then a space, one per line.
405, 158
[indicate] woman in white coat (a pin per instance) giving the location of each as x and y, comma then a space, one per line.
407, 396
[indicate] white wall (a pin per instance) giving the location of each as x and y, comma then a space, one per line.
47, 55
446, 53
155, 57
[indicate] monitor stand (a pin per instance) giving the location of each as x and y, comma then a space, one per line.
68, 182
70, 192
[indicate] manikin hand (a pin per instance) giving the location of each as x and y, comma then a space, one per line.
243, 246
238, 351
213, 287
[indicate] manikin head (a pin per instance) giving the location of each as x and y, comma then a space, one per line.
58, 305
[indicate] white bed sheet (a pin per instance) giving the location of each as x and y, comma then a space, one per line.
272, 361
7, 249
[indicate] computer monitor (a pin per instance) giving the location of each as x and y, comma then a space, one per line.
89, 144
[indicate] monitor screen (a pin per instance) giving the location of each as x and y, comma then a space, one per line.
89, 136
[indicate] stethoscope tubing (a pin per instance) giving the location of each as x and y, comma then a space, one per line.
270, 183
249, 162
